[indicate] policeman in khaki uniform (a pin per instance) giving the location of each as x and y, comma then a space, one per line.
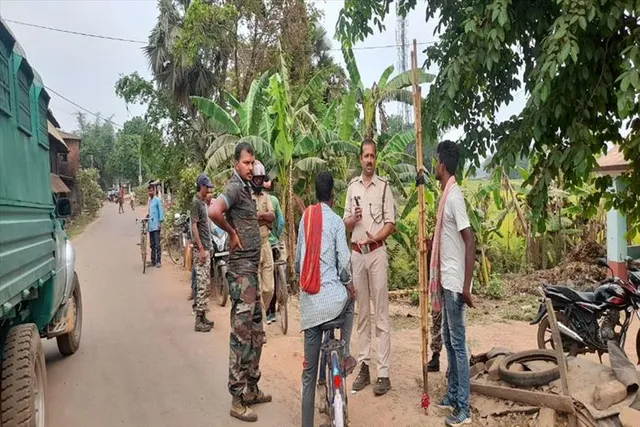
370, 216
266, 216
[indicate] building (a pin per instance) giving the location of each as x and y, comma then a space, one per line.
57, 149
69, 164
614, 164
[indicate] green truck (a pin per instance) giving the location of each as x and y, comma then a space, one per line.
39, 288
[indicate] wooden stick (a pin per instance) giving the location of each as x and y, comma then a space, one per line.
562, 363
422, 246
537, 398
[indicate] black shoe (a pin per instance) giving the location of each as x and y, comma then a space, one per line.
383, 385
363, 379
434, 363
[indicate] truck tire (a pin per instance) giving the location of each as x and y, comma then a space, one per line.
529, 378
24, 378
69, 343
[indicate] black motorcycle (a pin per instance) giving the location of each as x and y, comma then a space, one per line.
588, 320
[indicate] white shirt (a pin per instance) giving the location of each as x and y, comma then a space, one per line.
452, 250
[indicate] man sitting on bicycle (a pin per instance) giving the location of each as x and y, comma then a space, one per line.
324, 265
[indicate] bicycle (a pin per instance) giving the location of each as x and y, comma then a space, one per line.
332, 355
178, 240
282, 287
144, 232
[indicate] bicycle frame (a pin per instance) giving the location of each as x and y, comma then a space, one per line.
331, 355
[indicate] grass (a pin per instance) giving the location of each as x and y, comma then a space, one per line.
77, 226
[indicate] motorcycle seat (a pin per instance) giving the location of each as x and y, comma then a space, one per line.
574, 295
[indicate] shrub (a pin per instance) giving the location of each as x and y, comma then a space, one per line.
142, 195
91, 194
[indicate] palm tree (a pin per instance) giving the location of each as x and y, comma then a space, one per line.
202, 75
384, 90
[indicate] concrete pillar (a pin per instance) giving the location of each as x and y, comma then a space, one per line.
616, 239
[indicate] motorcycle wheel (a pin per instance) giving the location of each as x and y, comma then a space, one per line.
220, 286
545, 340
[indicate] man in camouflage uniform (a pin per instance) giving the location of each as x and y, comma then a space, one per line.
236, 205
202, 264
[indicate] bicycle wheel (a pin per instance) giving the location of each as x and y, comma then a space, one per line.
143, 251
174, 247
283, 298
337, 396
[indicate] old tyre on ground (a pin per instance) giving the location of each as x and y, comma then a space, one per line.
24, 378
529, 378
70, 342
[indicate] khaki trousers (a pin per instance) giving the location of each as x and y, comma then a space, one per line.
370, 281
265, 275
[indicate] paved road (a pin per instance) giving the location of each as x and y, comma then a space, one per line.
140, 363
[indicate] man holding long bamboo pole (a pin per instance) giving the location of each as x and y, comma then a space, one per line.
451, 273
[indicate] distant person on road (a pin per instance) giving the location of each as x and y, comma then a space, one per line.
156, 218
202, 241
132, 201
266, 217
121, 201
235, 212
451, 273
326, 292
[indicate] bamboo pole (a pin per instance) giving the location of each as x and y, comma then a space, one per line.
422, 241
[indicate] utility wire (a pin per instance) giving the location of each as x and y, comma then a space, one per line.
83, 109
77, 33
98, 36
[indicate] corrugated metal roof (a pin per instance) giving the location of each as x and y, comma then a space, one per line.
57, 185
613, 161
56, 134
67, 135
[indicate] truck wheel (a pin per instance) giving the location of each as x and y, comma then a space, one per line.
69, 343
24, 378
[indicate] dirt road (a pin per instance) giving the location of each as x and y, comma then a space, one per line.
140, 363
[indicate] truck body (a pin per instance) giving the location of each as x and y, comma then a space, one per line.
39, 289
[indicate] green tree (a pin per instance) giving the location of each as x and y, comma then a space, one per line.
98, 139
578, 62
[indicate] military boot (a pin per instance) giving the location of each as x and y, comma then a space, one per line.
254, 396
201, 325
241, 411
207, 321
363, 379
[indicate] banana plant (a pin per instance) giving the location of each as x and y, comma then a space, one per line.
384, 90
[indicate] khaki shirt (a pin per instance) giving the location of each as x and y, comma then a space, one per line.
263, 204
374, 214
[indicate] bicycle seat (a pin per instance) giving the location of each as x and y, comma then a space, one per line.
332, 324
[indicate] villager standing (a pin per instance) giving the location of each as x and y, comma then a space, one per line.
450, 281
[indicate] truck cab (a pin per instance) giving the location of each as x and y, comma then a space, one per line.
40, 293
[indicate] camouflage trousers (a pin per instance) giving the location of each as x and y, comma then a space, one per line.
203, 278
247, 334
436, 331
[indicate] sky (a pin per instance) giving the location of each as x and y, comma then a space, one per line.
85, 69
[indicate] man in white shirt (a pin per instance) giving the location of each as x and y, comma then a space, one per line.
456, 262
